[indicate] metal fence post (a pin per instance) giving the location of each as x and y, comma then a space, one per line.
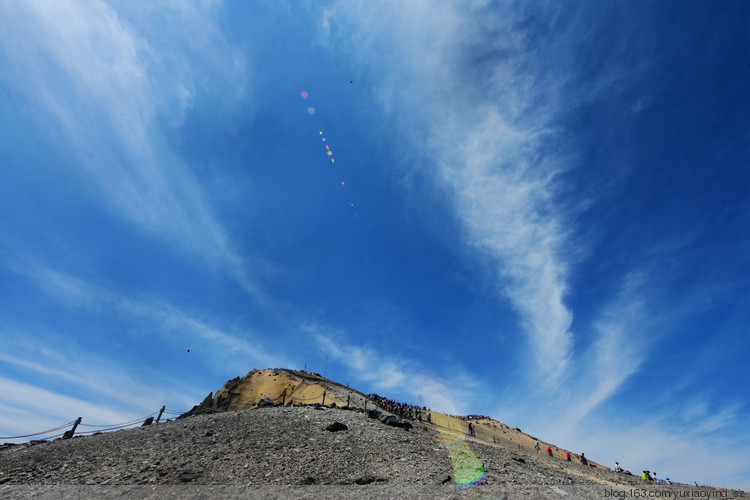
69, 434
160, 412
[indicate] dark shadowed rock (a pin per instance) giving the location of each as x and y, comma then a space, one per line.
187, 475
444, 478
387, 418
308, 480
337, 426
264, 403
205, 407
365, 479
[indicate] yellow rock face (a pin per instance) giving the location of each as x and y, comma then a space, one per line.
282, 386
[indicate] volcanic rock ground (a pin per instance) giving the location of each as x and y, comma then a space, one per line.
286, 452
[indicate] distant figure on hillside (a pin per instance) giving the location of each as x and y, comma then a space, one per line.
549, 451
617, 467
654, 476
472, 431
583, 459
646, 476
567, 456
536, 447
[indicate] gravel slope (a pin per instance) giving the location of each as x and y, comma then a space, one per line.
286, 452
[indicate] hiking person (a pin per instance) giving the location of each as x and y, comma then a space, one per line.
583, 459
549, 451
567, 456
536, 447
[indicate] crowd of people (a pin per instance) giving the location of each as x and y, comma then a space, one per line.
471, 417
402, 410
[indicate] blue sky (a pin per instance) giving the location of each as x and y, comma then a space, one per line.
537, 212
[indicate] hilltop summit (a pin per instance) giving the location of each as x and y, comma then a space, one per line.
282, 387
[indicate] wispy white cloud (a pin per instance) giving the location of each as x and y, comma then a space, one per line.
623, 333
460, 82
37, 409
386, 370
167, 320
658, 445
103, 84
49, 363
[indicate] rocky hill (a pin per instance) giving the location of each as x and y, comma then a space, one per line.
280, 386
303, 452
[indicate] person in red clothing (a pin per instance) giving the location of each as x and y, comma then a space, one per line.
567, 456
549, 451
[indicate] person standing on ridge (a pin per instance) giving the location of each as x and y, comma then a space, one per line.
536, 447
549, 451
567, 456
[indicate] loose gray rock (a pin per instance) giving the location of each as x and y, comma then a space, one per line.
444, 478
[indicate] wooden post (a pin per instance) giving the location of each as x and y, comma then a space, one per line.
283, 398
324, 398
160, 412
69, 434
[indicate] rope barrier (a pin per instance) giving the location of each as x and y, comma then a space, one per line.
39, 433
99, 428
131, 422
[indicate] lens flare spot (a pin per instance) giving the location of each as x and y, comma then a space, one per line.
330, 153
311, 110
304, 94
468, 469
